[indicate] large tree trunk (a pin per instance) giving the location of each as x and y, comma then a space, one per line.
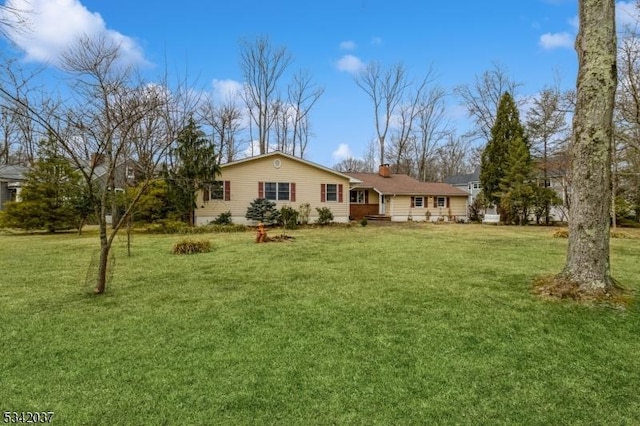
588, 252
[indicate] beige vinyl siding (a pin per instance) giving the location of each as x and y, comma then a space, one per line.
400, 209
244, 178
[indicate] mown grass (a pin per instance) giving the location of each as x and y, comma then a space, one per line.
415, 324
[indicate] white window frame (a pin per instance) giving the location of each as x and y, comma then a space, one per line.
279, 193
418, 205
328, 194
444, 201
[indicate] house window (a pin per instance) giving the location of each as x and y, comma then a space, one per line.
476, 185
441, 202
283, 191
358, 197
418, 202
216, 190
332, 192
276, 191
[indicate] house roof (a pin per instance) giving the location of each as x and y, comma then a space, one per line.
463, 179
291, 157
8, 172
400, 184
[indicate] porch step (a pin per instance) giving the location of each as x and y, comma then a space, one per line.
380, 217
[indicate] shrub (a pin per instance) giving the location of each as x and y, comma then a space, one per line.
618, 234
189, 246
561, 233
303, 213
363, 221
223, 219
325, 216
263, 210
220, 228
289, 217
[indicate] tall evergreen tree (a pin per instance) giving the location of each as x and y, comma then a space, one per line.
517, 186
52, 197
196, 166
495, 157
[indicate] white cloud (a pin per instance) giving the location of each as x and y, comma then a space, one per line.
341, 153
350, 63
54, 25
226, 90
348, 45
556, 40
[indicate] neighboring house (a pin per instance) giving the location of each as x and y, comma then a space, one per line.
400, 198
469, 182
556, 179
276, 176
11, 180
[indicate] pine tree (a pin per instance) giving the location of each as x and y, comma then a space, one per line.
196, 167
51, 196
517, 186
496, 155
263, 210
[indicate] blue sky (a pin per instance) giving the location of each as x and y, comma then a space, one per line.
531, 39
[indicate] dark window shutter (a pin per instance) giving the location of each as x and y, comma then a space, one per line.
366, 196
260, 189
448, 204
340, 193
205, 195
292, 193
435, 201
227, 190
413, 201
323, 192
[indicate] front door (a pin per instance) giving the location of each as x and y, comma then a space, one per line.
383, 204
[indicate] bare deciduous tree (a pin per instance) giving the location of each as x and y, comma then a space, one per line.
302, 95
432, 130
108, 118
225, 122
386, 88
482, 99
262, 68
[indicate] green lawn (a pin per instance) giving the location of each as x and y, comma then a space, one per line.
422, 324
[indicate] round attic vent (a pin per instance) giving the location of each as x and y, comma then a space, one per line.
277, 163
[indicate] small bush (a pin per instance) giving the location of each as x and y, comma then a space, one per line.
223, 219
189, 246
263, 210
325, 216
561, 233
364, 222
289, 217
617, 234
303, 213
220, 229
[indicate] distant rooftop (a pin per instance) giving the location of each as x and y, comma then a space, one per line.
463, 179
9, 172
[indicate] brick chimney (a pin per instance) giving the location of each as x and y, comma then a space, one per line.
384, 171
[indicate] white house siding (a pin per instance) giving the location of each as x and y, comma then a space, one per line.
244, 176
